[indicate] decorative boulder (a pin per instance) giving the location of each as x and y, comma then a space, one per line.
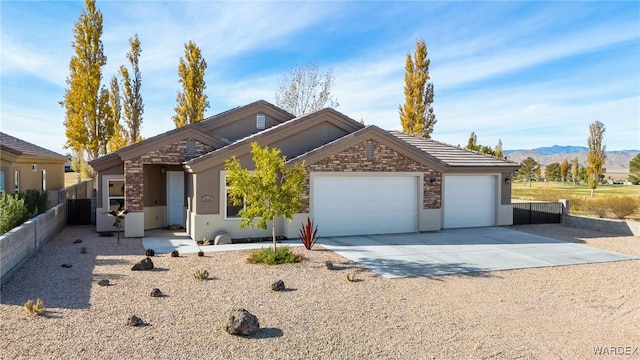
242, 322
150, 252
103, 282
278, 286
77, 241
135, 321
329, 265
144, 264
156, 292
66, 266
175, 253
222, 238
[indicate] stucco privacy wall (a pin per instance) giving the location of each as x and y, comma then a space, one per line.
21, 243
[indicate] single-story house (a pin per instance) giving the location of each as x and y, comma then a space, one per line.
360, 179
26, 166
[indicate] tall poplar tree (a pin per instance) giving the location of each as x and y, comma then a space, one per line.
575, 170
564, 170
132, 99
192, 102
119, 136
596, 155
416, 115
85, 101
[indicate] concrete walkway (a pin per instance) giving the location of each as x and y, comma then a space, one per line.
462, 251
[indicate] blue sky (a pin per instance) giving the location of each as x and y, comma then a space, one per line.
531, 74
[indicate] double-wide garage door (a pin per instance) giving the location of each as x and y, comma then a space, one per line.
358, 205
469, 201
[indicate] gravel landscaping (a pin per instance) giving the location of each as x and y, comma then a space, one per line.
539, 313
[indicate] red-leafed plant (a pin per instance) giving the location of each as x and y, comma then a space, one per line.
308, 234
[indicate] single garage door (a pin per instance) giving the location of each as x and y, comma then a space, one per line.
359, 205
469, 201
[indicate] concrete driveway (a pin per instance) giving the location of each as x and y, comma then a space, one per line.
462, 251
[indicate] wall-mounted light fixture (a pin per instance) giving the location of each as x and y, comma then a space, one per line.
163, 169
432, 181
507, 181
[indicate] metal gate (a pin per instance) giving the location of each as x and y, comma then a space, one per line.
79, 212
537, 213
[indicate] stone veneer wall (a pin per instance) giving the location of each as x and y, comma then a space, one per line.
172, 154
384, 159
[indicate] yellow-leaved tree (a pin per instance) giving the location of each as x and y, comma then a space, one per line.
86, 102
192, 101
416, 114
270, 191
596, 155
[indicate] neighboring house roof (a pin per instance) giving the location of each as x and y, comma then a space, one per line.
454, 157
19, 147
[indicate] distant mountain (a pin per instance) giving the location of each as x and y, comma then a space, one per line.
551, 150
617, 162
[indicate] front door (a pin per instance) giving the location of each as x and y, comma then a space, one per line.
175, 198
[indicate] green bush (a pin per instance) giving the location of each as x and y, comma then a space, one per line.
13, 212
36, 201
622, 206
282, 255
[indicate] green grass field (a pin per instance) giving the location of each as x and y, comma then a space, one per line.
548, 190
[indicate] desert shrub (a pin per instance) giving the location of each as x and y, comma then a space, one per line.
36, 201
201, 274
34, 309
578, 205
598, 206
282, 255
622, 206
547, 194
13, 212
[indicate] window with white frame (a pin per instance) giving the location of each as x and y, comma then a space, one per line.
231, 211
115, 194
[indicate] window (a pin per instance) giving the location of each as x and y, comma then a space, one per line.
232, 211
115, 195
260, 122
16, 182
1, 181
44, 179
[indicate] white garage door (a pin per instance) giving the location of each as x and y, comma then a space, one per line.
360, 205
469, 201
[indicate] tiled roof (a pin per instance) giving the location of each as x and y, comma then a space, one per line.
451, 155
21, 147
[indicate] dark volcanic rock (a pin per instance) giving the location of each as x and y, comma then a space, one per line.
144, 264
278, 286
241, 322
